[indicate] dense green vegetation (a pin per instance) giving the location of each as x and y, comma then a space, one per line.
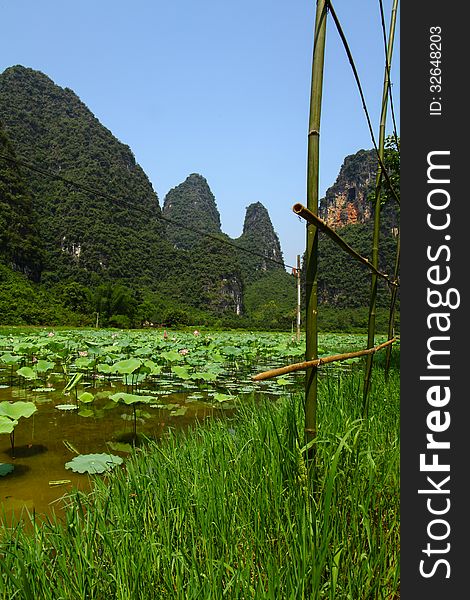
20, 245
100, 252
191, 516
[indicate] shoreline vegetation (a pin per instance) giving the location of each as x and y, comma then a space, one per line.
229, 510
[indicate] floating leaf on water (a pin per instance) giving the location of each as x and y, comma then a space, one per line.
86, 397
179, 412
5, 468
204, 376
218, 397
196, 396
4, 387
66, 407
282, 381
60, 482
43, 389
93, 463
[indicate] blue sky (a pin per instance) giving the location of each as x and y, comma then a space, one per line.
212, 87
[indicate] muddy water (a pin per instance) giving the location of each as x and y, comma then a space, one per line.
40, 453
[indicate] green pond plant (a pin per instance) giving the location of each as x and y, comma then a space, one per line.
10, 414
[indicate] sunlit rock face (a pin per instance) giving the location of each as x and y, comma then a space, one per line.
346, 202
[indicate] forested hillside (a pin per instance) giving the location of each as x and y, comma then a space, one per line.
100, 247
84, 240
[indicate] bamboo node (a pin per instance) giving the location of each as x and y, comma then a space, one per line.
313, 132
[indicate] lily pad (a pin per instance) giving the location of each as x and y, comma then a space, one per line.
5, 468
223, 397
93, 463
86, 397
66, 407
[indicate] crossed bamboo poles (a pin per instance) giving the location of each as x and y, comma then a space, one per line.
313, 219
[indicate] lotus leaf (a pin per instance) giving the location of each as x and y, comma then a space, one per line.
223, 397
126, 367
86, 397
5, 468
66, 407
130, 398
10, 359
27, 373
172, 356
206, 376
7, 425
93, 463
42, 366
16, 410
181, 372
84, 362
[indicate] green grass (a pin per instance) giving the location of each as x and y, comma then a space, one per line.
227, 510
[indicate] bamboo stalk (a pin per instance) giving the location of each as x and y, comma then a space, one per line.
306, 214
297, 276
319, 361
311, 255
391, 318
376, 237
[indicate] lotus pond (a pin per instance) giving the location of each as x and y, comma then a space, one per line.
75, 402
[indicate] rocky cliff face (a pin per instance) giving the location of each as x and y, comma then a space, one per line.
345, 202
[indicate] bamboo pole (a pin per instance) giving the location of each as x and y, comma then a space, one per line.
378, 188
298, 298
319, 361
391, 317
306, 214
311, 260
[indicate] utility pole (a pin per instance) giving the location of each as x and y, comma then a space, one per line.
298, 297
